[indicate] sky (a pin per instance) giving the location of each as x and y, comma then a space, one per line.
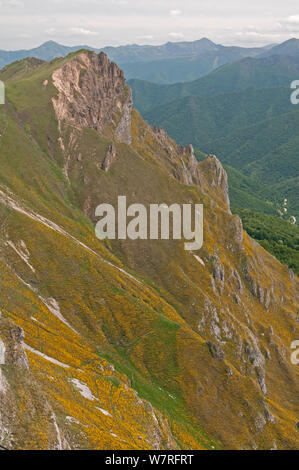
28, 23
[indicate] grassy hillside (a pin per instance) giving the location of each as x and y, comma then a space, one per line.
78, 290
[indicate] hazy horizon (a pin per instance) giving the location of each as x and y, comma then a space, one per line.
26, 24
134, 44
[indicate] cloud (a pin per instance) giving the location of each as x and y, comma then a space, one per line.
50, 31
85, 32
148, 37
175, 35
12, 3
175, 13
293, 19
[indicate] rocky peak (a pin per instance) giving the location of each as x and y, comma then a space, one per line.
109, 158
214, 180
92, 93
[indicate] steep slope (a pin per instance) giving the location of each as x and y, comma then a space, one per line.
23, 405
135, 344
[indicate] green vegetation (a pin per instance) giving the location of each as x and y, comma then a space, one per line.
269, 72
168, 71
204, 121
245, 192
242, 113
276, 235
156, 394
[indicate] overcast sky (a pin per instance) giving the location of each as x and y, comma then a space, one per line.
28, 23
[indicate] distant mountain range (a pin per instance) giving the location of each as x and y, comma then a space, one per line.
177, 62
168, 63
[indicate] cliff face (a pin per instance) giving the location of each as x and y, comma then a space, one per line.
92, 93
135, 344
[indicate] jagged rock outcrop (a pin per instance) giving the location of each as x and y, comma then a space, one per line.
123, 129
216, 351
12, 351
92, 93
218, 271
109, 158
182, 160
190, 170
163, 138
214, 180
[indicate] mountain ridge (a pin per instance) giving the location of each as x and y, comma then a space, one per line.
289, 47
135, 344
